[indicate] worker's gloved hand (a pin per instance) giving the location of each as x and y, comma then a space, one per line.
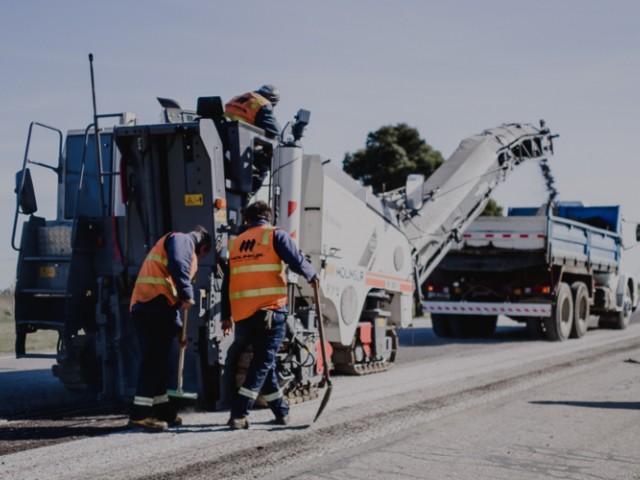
227, 327
182, 342
187, 304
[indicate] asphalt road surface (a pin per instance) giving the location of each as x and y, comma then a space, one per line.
504, 408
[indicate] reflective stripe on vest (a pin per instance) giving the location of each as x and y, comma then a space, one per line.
154, 278
257, 273
245, 107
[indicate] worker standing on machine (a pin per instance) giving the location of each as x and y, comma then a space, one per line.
163, 287
256, 108
258, 302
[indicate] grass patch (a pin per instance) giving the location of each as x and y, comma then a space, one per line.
40, 341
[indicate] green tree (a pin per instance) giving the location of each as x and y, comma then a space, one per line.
390, 154
492, 209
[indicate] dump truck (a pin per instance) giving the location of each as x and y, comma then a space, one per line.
551, 267
121, 188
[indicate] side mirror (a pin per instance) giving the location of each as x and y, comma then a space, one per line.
27, 197
414, 191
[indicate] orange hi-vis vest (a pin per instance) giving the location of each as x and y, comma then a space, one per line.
245, 107
257, 273
154, 278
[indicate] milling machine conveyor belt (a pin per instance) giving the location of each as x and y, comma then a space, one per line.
457, 192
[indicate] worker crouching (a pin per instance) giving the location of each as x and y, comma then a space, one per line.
257, 297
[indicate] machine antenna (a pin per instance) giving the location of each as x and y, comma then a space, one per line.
96, 129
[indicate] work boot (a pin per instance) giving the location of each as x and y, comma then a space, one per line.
149, 424
281, 420
174, 421
238, 423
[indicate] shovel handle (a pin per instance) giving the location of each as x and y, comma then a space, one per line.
182, 347
323, 350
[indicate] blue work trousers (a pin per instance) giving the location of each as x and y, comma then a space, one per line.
261, 376
156, 334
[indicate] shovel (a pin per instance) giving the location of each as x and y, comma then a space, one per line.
179, 393
327, 394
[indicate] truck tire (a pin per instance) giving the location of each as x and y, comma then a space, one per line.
618, 320
581, 309
473, 326
558, 326
486, 325
440, 325
535, 328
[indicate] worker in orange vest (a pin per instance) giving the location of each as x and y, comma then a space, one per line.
162, 288
256, 108
257, 299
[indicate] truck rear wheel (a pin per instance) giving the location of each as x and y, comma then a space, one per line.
535, 327
440, 325
473, 326
485, 325
619, 320
558, 326
581, 309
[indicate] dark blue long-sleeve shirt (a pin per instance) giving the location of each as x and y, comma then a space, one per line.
180, 248
266, 120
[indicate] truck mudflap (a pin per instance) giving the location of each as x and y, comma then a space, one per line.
489, 308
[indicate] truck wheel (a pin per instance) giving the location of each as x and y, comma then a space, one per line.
459, 327
619, 320
486, 325
558, 325
580, 309
472, 326
440, 325
535, 328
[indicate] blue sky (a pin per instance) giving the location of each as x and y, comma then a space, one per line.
449, 68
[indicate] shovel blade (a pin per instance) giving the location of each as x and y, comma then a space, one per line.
325, 400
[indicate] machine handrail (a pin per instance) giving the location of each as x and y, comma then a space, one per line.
25, 162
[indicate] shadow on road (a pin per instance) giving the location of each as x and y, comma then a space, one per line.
416, 336
606, 405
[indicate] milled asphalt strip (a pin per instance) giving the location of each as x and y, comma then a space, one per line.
277, 457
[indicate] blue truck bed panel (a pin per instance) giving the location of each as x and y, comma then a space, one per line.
578, 243
606, 218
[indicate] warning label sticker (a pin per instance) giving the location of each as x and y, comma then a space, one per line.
193, 200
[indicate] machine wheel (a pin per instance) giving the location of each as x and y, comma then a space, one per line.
581, 309
81, 370
619, 320
440, 325
558, 325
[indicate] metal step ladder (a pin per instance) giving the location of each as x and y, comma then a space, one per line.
42, 281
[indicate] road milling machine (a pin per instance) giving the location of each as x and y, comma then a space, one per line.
120, 189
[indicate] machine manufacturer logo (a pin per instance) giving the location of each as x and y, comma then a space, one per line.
350, 274
247, 245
